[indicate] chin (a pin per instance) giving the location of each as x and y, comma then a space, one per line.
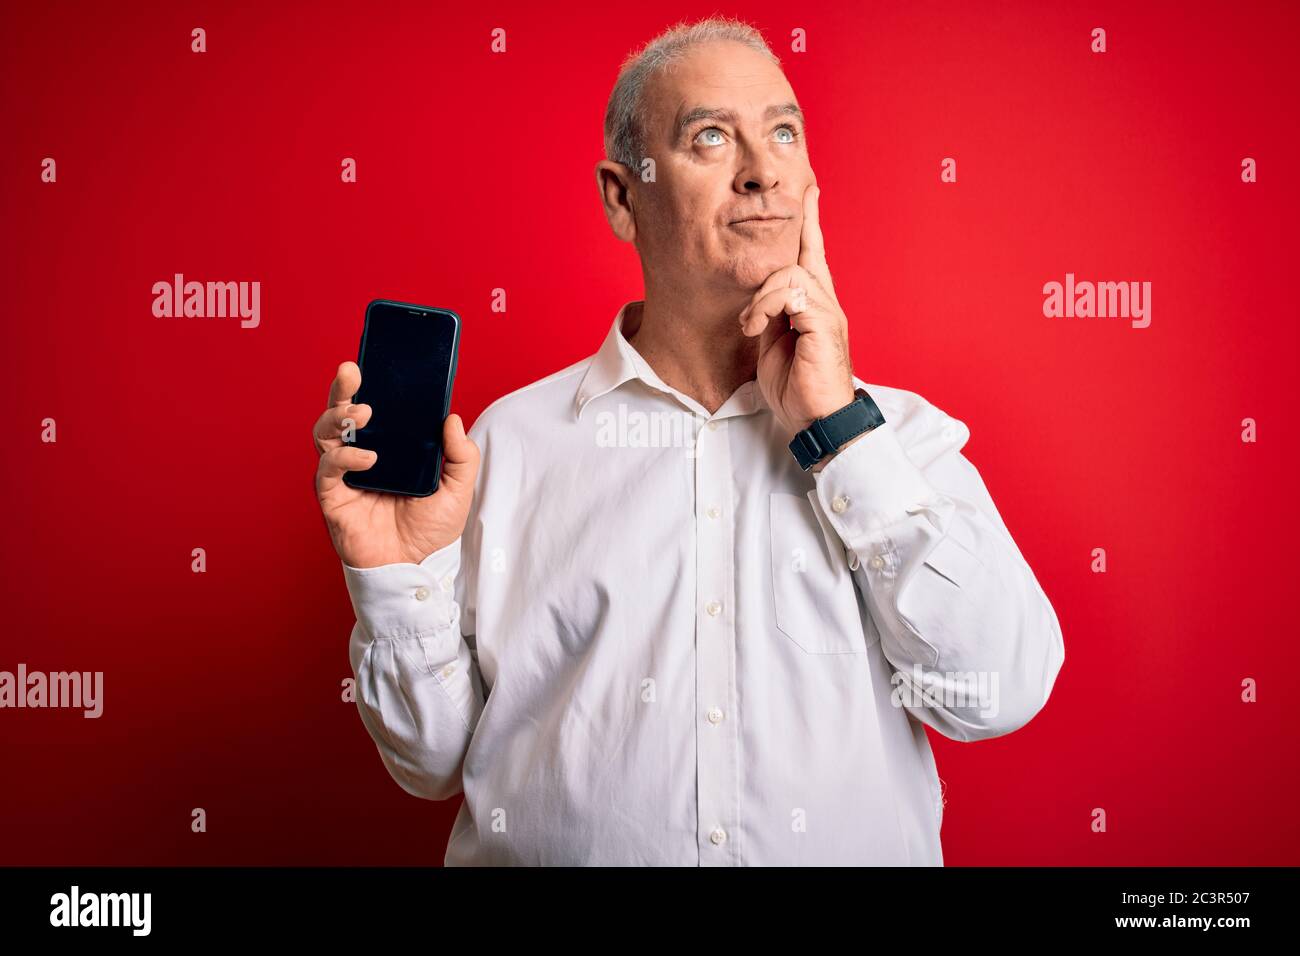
752, 271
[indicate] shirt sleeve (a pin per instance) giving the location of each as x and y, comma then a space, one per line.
418, 688
973, 641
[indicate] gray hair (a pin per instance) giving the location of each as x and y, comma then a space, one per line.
625, 116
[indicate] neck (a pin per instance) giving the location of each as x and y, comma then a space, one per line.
691, 338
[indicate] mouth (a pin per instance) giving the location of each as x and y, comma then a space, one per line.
761, 221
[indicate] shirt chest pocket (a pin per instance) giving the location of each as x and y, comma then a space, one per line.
815, 598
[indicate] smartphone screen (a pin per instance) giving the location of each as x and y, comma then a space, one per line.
408, 362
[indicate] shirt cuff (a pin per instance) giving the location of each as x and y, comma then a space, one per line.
406, 600
870, 485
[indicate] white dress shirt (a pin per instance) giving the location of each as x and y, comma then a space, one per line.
659, 641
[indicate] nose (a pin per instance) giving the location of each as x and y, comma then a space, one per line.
756, 172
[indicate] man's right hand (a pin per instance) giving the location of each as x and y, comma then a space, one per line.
371, 528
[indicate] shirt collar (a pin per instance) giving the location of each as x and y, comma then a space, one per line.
617, 362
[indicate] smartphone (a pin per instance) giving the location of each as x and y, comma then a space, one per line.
408, 362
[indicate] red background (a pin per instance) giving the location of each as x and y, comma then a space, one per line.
222, 690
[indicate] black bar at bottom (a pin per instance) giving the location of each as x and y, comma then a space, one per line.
935, 906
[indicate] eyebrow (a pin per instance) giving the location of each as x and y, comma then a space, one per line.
714, 113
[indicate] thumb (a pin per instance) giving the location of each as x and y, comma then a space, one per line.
460, 455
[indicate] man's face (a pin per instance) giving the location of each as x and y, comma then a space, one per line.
745, 159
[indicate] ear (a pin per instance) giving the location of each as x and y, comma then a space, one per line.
614, 183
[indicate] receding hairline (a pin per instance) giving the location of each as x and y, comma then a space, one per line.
626, 112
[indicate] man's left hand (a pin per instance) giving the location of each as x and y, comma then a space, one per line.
804, 369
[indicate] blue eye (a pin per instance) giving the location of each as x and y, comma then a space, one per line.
789, 130
711, 129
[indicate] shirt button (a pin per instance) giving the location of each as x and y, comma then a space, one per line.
840, 504
713, 512
713, 426
715, 715
448, 670
446, 583
714, 608
421, 593
718, 836
876, 562
853, 560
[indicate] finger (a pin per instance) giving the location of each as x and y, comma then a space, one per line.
812, 248
328, 430
808, 314
776, 335
335, 462
784, 277
792, 301
460, 456
346, 382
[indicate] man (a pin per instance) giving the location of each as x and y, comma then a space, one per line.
643, 632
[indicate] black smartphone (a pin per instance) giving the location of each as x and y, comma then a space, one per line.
408, 362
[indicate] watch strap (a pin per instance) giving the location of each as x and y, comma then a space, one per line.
825, 435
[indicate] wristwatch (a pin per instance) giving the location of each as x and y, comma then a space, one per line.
825, 435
